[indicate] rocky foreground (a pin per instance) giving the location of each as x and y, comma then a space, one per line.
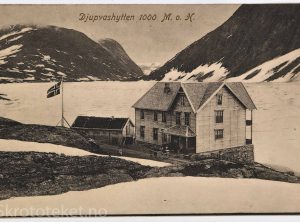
43, 173
34, 173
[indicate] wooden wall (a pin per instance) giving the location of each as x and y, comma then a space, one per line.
234, 124
129, 132
149, 122
102, 136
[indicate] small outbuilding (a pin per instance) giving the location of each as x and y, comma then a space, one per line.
111, 130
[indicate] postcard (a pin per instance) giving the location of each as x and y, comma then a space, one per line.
149, 109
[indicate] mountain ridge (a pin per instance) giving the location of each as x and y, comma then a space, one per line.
47, 53
253, 35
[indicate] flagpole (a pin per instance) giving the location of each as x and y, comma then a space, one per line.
62, 101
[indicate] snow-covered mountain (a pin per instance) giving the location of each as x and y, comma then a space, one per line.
257, 43
32, 53
149, 67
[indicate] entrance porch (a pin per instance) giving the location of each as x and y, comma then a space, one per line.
180, 139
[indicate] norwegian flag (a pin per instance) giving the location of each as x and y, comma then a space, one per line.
54, 90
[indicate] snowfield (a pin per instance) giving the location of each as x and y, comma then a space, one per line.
217, 70
171, 195
276, 121
22, 146
265, 70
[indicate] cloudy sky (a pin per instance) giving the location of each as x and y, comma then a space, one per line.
145, 41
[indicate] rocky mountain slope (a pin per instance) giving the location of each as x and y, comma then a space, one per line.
32, 53
257, 43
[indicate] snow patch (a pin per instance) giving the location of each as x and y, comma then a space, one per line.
30, 78
61, 73
4, 53
83, 79
13, 70
51, 70
93, 78
22, 146
167, 195
29, 70
40, 65
46, 57
6, 78
15, 33
265, 70
15, 38
218, 73
47, 74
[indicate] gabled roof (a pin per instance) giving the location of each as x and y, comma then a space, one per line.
198, 95
92, 122
238, 89
157, 99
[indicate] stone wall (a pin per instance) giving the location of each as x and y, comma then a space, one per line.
239, 154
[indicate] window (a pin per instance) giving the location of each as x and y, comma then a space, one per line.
182, 100
163, 117
155, 133
178, 118
219, 116
155, 116
219, 99
142, 131
164, 138
142, 114
187, 119
219, 134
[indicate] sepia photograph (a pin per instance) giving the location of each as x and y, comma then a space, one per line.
139, 109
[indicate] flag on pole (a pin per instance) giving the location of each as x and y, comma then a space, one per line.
54, 90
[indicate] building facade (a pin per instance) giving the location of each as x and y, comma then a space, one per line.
194, 117
110, 130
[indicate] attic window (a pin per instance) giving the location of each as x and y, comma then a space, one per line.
142, 114
219, 99
182, 100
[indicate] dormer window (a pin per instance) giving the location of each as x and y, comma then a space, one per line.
219, 99
167, 88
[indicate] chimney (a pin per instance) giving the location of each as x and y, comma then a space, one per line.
167, 88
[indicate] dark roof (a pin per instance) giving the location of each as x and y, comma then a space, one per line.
198, 94
100, 122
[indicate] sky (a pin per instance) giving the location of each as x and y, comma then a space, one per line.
145, 41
